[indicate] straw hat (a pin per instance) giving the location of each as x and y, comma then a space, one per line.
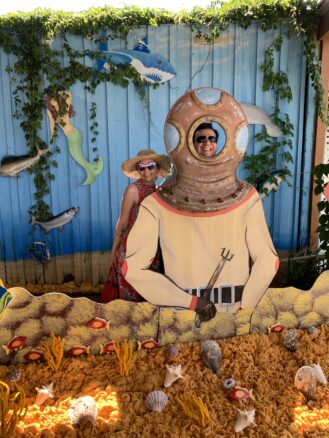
129, 166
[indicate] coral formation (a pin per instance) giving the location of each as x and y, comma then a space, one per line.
126, 356
53, 349
194, 407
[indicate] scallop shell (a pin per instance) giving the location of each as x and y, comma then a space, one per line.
305, 382
244, 419
212, 355
156, 401
290, 340
174, 372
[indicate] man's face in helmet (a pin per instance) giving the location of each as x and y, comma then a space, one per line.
205, 142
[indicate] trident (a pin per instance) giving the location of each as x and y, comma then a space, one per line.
225, 257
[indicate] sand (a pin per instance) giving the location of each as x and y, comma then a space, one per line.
257, 362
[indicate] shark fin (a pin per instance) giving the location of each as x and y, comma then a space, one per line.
142, 46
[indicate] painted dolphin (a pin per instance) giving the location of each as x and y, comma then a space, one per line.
151, 68
56, 221
12, 165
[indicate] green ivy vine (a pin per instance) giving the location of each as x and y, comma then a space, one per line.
321, 174
38, 71
262, 166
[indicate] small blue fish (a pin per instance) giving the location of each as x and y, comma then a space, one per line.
152, 68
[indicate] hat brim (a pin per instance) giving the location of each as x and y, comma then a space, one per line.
129, 166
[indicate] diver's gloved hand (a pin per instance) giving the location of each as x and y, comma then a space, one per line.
205, 311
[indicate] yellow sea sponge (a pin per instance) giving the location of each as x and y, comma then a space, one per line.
167, 337
5, 335
82, 311
30, 328
80, 332
187, 336
225, 327
288, 319
120, 332
184, 320
303, 303
284, 299
321, 306
265, 323
118, 309
167, 317
148, 330
54, 324
56, 302
265, 307
322, 282
144, 311
243, 329
310, 319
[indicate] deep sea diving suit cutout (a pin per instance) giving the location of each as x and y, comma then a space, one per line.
206, 219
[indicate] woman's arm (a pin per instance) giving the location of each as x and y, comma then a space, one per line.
129, 199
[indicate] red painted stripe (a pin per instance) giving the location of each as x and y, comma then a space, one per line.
201, 214
124, 268
277, 264
193, 303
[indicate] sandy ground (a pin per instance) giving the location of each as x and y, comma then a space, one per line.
258, 362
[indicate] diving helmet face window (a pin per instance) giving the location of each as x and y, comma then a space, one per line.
209, 139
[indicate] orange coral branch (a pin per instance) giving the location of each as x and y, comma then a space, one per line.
194, 407
12, 409
54, 351
125, 355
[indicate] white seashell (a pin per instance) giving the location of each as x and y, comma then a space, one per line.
156, 401
174, 372
83, 410
244, 419
305, 382
43, 394
319, 374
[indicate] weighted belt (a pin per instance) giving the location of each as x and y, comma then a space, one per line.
225, 295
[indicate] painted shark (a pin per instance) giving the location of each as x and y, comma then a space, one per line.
12, 165
152, 68
55, 221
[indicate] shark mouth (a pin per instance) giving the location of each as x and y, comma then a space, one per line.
151, 74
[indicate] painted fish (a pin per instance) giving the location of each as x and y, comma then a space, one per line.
56, 221
98, 323
5, 298
78, 351
276, 328
241, 394
151, 68
15, 343
148, 344
12, 165
34, 356
108, 347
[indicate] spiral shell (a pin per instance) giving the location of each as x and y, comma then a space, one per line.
156, 401
290, 340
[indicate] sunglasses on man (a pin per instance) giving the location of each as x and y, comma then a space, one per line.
149, 166
204, 138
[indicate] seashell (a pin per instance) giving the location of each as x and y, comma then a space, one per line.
244, 419
83, 410
313, 330
229, 383
172, 351
13, 375
211, 354
156, 401
290, 340
305, 382
43, 394
174, 372
319, 374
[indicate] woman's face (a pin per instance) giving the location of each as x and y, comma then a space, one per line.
205, 142
148, 170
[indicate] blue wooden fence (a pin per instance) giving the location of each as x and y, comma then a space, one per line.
126, 124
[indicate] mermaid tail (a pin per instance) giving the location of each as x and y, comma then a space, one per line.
92, 169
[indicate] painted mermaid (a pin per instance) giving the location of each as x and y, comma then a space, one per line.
60, 111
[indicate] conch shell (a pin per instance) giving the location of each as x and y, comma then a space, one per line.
244, 419
174, 372
156, 401
212, 355
43, 394
306, 379
83, 410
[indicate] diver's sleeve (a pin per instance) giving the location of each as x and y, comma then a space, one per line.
141, 248
264, 258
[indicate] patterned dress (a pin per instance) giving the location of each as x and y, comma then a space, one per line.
124, 290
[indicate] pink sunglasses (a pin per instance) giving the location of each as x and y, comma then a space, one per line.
149, 166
